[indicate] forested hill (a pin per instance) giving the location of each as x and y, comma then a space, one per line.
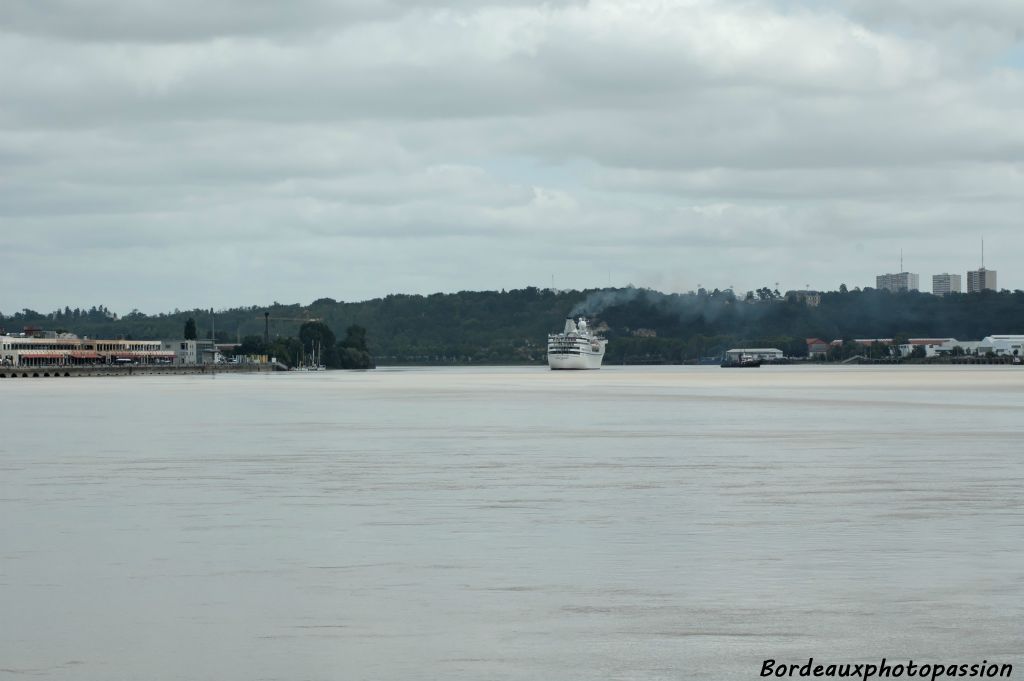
641, 325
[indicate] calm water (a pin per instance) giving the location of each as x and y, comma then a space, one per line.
655, 523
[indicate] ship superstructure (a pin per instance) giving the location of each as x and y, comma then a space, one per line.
576, 347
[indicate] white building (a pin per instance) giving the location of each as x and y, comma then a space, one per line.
192, 351
932, 346
943, 284
901, 281
763, 354
980, 280
1002, 345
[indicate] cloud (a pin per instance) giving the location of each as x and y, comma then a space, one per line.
1004, 16
357, 149
189, 21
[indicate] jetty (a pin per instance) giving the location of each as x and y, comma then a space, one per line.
136, 370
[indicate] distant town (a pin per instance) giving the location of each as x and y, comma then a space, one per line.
943, 284
979, 280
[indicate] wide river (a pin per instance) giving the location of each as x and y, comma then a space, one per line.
509, 523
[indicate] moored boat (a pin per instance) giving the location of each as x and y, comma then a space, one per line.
744, 362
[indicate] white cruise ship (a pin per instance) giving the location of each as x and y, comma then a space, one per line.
576, 347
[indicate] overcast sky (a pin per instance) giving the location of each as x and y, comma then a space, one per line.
203, 153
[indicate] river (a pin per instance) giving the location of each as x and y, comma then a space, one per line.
509, 523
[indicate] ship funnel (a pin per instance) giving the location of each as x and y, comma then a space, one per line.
570, 325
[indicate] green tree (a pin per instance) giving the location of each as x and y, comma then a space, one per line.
355, 338
317, 337
190, 329
251, 345
353, 352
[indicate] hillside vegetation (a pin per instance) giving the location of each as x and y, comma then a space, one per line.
643, 326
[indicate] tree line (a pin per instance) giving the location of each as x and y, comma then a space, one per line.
510, 327
316, 344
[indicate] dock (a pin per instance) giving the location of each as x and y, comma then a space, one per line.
136, 370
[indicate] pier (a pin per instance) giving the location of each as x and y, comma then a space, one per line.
134, 370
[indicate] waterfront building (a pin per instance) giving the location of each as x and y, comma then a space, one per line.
816, 348
981, 279
70, 350
901, 281
764, 354
944, 284
932, 346
192, 351
1006, 344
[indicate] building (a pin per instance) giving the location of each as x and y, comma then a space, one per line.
944, 284
807, 297
932, 346
70, 350
980, 280
816, 348
902, 281
1002, 345
763, 354
871, 341
184, 350
192, 351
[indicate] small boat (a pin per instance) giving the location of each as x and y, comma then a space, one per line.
744, 362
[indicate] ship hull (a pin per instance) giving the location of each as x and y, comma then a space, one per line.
590, 360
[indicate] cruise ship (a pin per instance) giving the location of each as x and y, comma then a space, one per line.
576, 347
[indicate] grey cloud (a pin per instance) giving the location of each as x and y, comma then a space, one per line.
158, 21
501, 61
998, 15
354, 149
956, 183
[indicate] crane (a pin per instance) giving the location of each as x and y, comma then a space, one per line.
266, 323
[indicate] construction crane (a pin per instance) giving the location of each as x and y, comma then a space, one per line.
266, 323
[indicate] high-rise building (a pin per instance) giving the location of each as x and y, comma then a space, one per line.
902, 281
980, 280
945, 283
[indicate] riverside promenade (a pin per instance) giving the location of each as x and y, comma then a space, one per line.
134, 370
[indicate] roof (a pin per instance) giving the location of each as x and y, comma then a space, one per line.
754, 350
930, 341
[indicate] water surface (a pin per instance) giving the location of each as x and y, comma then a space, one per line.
631, 523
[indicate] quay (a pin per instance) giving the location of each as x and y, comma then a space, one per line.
38, 354
135, 370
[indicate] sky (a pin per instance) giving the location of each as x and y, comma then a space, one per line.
215, 153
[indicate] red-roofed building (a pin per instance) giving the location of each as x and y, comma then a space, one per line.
816, 348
